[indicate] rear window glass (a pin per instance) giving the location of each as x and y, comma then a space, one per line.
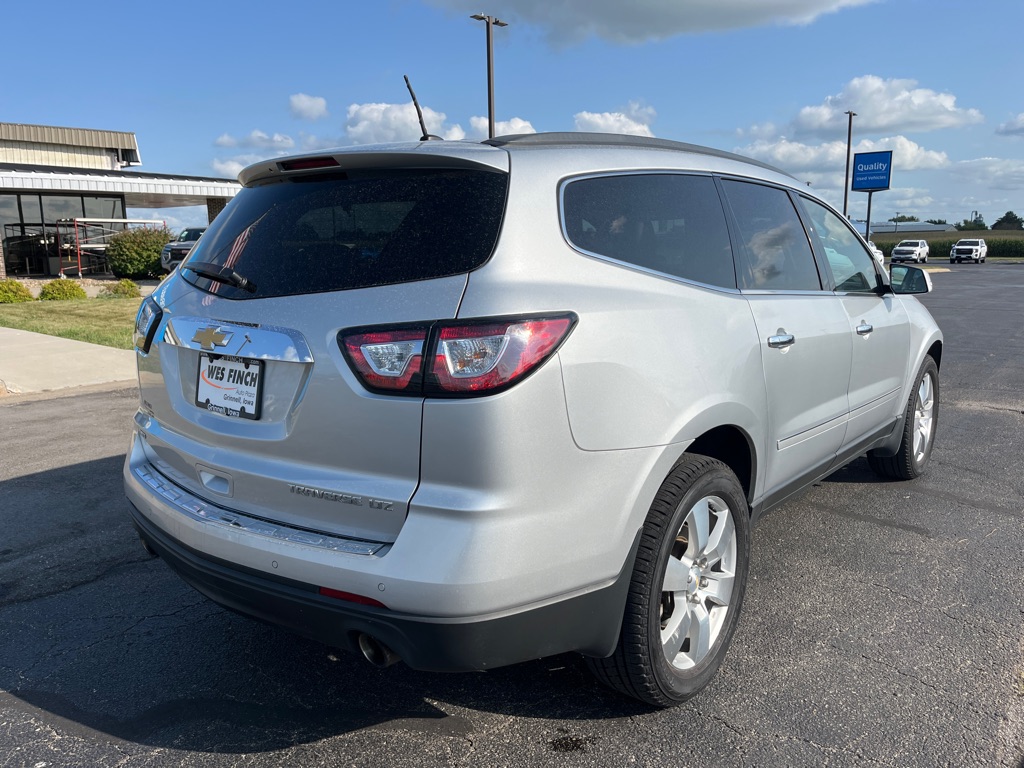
669, 223
353, 230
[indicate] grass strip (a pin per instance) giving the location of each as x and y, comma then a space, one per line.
109, 322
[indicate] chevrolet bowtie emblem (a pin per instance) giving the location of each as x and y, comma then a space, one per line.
211, 337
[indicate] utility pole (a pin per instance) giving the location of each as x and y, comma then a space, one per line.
491, 22
849, 145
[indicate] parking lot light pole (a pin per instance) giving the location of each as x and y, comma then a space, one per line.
849, 144
491, 22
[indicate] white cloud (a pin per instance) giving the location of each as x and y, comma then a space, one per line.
892, 105
992, 173
232, 166
307, 107
568, 21
227, 167
309, 142
823, 165
478, 127
1014, 127
377, 123
257, 139
797, 158
635, 120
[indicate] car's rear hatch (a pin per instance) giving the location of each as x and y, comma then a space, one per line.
247, 399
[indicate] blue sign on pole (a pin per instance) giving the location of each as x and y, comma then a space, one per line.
871, 171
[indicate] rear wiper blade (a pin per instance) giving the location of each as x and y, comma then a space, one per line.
221, 274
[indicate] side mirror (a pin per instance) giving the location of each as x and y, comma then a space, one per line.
906, 279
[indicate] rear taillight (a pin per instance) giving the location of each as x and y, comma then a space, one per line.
146, 321
388, 359
464, 358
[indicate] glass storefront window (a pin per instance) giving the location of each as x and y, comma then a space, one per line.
104, 207
31, 210
61, 207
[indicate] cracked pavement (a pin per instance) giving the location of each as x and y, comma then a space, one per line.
882, 624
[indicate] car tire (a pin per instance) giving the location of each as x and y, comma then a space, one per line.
696, 539
921, 419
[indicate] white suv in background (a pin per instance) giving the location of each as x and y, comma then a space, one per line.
468, 404
175, 251
910, 250
968, 250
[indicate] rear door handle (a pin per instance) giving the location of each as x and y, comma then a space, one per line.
864, 329
781, 341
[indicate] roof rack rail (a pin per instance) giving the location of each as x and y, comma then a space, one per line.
567, 138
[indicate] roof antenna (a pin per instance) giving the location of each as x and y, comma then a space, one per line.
419, 113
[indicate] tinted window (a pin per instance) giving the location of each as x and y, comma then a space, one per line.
669, 223
777, 254
354, 230
852, 266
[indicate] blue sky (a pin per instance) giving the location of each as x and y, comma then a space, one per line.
209, 87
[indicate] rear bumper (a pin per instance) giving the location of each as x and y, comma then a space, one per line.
587, 623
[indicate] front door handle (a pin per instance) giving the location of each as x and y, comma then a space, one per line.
864, 329
781, 341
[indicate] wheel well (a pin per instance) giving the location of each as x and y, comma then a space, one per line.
731, 446
936, 353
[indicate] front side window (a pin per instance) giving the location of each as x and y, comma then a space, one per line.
668, 223
352, 230
853, 268
777, 254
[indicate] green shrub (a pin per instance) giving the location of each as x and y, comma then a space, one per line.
135, 253
62, 290
122, 289
14, 292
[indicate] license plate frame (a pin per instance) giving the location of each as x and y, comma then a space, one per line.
224, 385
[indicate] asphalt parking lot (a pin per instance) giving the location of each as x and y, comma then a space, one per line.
882, 623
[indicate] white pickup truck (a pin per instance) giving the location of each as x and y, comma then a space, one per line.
968, 250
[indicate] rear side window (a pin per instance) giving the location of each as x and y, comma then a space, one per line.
669, 223
777, 254
353, 230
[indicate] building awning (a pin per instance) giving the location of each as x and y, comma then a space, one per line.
140, 190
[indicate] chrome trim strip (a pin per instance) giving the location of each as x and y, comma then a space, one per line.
202, 511
263, 342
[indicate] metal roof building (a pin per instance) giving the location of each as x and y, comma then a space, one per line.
50, 174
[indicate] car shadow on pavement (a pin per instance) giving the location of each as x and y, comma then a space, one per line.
100, 640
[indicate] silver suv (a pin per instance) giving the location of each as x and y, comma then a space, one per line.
467, 404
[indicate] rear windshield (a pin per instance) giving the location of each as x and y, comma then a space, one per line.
188, 235
353, 230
